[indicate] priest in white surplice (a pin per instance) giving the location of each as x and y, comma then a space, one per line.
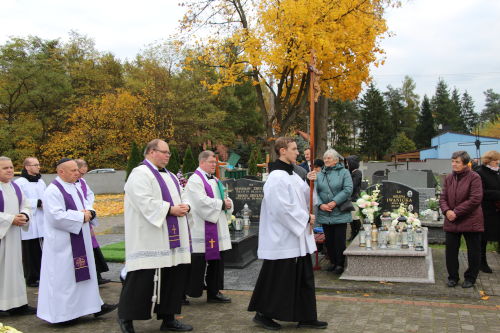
14, 215
285, 287
157, 243
68, 281
209, 229
32, 184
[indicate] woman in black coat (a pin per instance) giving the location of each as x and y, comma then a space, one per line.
491, 202
352, 163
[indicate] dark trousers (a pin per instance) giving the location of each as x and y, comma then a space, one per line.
209, 273
335, 242
484, 243
473, 241
32, 259
135, 299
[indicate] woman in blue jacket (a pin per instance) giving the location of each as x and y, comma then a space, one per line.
334, 187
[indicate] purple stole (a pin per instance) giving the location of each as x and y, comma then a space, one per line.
18, 194
80, 261
172, 222
85, 191
211, 233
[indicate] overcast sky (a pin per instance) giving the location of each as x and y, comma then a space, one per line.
457, 40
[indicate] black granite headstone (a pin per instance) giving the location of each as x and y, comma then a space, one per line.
393, 194
378, 176
246, 191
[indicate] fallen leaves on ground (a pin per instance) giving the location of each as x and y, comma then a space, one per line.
108, 204
483, 295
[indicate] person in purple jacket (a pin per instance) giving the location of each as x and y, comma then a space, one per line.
460, 202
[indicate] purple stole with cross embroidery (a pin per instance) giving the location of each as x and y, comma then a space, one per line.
80, 262
211, 233
172, 222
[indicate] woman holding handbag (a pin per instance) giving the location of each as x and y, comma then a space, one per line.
334, 188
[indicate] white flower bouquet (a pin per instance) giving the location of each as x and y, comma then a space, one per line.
368, 204
411, 218
433, 203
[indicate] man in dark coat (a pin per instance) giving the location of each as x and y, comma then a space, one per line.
491, 203
460, 202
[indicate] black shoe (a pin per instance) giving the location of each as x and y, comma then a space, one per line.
24, 310
103, 281
176, 326
105, 308
67, 323
219, 298
467, 284
312, 324
185, 301
452, 283
126, 326
338, 270
485, 268
33, 284
266, 322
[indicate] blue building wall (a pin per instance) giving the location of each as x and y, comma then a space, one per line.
444, 145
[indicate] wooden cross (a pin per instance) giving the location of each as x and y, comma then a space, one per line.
212, 243
174, 229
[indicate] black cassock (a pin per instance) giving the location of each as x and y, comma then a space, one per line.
137, 292
285, 290
203, 273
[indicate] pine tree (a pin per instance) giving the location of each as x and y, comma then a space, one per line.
189, 163
252, 163
411, 106
468, 115
491, 111
135, 157
375, 123
401, 144
442, 108
459, 124
425, 127
174, 163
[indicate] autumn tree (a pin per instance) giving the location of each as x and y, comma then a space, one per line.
101, 129
270, 43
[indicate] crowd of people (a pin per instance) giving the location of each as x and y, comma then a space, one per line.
176, 237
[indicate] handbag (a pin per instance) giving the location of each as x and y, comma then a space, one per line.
347, 205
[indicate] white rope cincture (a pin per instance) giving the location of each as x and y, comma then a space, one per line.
155, 297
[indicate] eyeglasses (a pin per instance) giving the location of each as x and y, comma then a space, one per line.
35, 165
166, 152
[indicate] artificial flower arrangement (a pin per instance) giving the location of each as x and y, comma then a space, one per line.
369, 204
433, 203
183, 181
411, 218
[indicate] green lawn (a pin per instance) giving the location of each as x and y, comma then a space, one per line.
114, 252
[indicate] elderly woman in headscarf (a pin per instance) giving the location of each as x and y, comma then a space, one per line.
334, 187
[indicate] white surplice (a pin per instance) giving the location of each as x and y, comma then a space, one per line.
146, 234
284, 215
61, 298
33, 191
12, 283
204, 208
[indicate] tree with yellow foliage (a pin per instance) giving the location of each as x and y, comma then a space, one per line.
102, 129
269, 42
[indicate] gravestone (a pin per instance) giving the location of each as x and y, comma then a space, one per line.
393, 194
246, 191
378, 176
421, 180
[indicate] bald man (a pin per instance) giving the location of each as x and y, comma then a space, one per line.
68, 279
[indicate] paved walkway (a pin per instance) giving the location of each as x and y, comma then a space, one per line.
344, 313
348, 306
